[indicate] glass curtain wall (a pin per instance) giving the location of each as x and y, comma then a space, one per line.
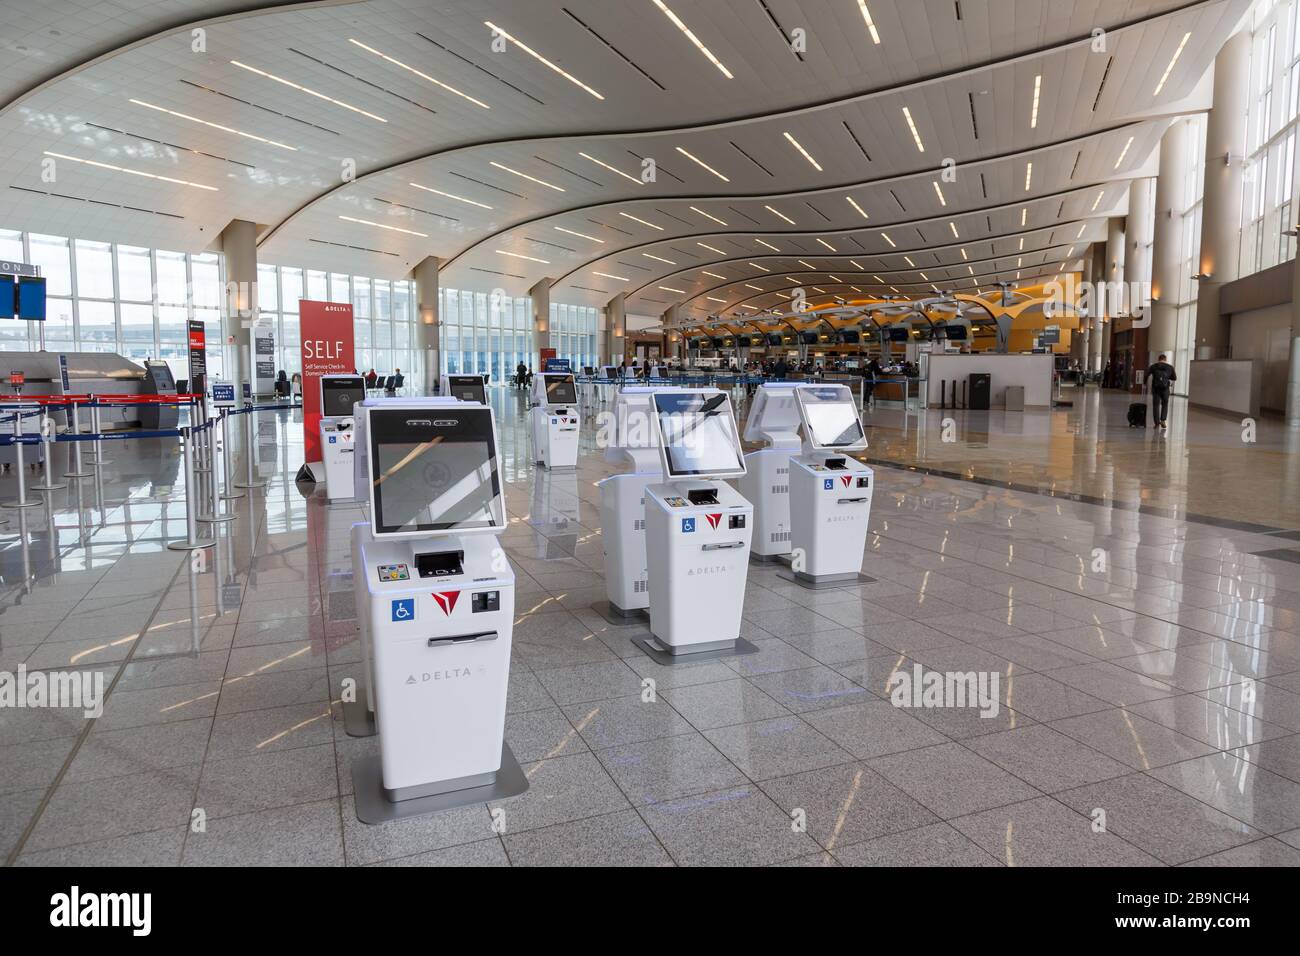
485, 333
575, 328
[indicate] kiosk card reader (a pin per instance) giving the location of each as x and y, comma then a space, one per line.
633, 443
435, 599
338, 394
697, 530
555, 420
774, 421
830, 491
465, 388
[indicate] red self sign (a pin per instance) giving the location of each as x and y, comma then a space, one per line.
327, 349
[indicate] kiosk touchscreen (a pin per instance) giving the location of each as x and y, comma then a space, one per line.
830, 491
435, 600
338, 395
697, 529
465, 388
774, 422
555, 420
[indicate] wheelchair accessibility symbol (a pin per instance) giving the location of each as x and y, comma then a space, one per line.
688, 525
828, 484
404, 610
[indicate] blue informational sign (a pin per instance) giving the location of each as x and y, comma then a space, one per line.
688, 525
404, 609
63, 374
558, 365
31, 298
223, 394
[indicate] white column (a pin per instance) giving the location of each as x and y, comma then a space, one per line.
1167, 241
239, 247
616, 328
543, 334
428, 340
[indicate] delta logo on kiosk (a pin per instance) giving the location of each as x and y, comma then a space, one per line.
713, 521
846, 479
446, 600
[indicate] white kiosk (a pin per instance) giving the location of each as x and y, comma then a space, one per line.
697, 531
338, 395
634, 443
465, 388
435, 598
830, 491
774, 421
555, 420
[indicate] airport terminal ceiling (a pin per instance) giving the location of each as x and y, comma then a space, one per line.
711, 156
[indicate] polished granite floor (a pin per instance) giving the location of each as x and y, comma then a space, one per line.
1149, 670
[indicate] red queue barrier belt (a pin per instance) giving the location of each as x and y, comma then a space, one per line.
101, 399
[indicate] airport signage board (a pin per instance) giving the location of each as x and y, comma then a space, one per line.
328, 348
198, 341
18, 268
1051, 335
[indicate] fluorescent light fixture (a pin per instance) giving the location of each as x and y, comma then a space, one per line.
855, 263
424, 76
706, 215
781, 214
916, 137
659, 259
132, 172
795, 143
767, 244
541, 59
628, 215
1033, 115
224, 129
970, 269
713, 274
963, 254
671, 289
878, 279
1169, 69
304, 89
605, 165
923, 276
757, 266
380, 225
1024, 212
826, 244
532, 179
1081, 229
1029, 175
439, 192
580, 235
714, 298
750, 307
953, 227
908, 260
871, 27
607, 275
701, 163
517, 255
1123, 152
677, 22
822, 291
939, 192
756, 288
713, 249
807, 265
892, 243
1097, 202
854, 203
834, 278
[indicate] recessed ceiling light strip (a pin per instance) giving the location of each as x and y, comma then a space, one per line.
423, 76
310, 92
439, 192
628, 215
605, 165
797, 145
701, 163
677, 22
380, 225
132, 172
531, 179
540, 59
1169, 69
224, 129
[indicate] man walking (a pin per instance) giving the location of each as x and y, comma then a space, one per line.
1161, 375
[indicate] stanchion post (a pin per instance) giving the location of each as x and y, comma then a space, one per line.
228, 477
192, 541
99, 458
251, 481
47, 439
78, 470
21, 501
214, 513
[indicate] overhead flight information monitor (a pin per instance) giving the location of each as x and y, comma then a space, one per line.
561, 390
697, 435
830, 417
433, 470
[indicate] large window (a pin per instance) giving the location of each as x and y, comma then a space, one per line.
575, 328
487, 333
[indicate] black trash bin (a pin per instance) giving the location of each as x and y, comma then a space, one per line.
980, 388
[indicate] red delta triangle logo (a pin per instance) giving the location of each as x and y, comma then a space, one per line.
713, 521
446, 600
846, 479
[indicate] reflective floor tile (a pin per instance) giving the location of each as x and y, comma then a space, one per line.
722, 704
935, 845
539, 734
776, 747
480, 853
810, 688
1132, 739
156, 848
616, 839
1227, 781
97, 810
561, 789
133, 750
927, 775
1042, 832
309, 834
738, 826
654, 771
873, 728
624, 720
365, 844
1046, 759
244, 784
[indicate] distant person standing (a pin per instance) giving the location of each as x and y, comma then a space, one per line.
1161, 375
780, 370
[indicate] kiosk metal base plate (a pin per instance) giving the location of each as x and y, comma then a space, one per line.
818, 582
618, 616
358, 718
374, 807
660, 654
756, 558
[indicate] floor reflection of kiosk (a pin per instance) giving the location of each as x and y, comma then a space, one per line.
634, 444
773, 421
555, 420
338, 395
830, 491
465, 388
697, 530
435, 595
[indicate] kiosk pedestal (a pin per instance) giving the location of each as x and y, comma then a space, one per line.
773, 420
336, 448
555, 420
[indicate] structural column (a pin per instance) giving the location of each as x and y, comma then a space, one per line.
1225, 135
544, 336
1115, 274
616, 328
1137, 271
1167, 241
239, 247
428, 329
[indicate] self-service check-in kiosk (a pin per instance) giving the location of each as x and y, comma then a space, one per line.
633, 443
435, 598
830, 491
555, 420
697, 530
338, 394
774, 421
465, 388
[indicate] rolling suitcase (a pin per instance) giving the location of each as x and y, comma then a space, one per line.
1137, 415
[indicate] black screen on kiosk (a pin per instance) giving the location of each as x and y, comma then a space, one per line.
561, 390
832, 417
434, 469
698, 433
338, 395
467, 388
